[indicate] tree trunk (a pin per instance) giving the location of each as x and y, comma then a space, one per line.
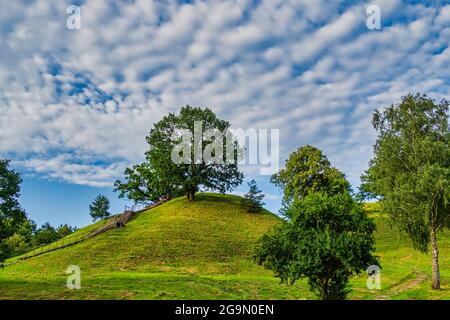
435, 261
324, 288
191, 196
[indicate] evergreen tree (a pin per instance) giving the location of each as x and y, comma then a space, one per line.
99, 209
253, 198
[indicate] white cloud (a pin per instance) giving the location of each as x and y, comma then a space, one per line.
310, 68
62, 167
443, 19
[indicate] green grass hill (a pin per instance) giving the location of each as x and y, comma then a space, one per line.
202, 250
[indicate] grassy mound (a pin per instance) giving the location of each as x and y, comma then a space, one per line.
202, 250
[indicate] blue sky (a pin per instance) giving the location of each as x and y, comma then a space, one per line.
76, 105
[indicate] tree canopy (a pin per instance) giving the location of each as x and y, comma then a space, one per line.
327, 239
253, 199
160, 176
13, 218
308, 170
99, 208
410, 171
45, 234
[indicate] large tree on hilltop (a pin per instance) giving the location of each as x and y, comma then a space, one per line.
410, 171
161, 176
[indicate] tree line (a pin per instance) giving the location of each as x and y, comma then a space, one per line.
18, 233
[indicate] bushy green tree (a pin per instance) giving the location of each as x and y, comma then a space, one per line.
44, 235
253, 198
47, 234
327, 240
159, 176
17, 244
410, 171
326, 237
64, 230
99, 209
13, 219
308, 170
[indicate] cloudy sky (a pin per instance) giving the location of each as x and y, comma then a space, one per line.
76, 105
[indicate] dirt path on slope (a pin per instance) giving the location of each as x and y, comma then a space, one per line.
420, 277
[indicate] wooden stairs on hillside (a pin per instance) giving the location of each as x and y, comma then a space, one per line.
115, 222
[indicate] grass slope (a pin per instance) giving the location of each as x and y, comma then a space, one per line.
202, 250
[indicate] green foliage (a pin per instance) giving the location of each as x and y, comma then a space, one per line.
17, 244
411, 168
13, 219
44, 235
64, 230
18, 234
159, 176
308, 170
372, 207
47, 234
327, 240
327, 236
99, 209
253, 198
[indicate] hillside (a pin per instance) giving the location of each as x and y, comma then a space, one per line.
200, 250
